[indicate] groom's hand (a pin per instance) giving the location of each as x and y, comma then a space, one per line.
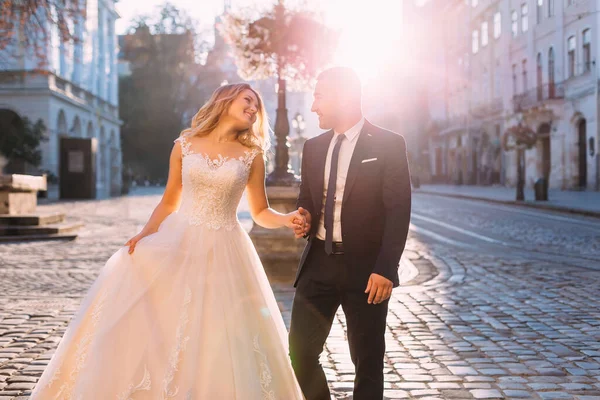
379, 289
301, 232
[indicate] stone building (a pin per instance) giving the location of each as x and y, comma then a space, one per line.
505, 61
75, 93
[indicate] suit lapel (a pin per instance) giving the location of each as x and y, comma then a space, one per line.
320, 159
360, 151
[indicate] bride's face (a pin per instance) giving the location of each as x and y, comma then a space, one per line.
243, 109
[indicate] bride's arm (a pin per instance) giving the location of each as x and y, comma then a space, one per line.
172, 195
169, 202
261, 213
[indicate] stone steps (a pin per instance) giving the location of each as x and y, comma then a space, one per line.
31, 220
31, 227
50, 229
38, 237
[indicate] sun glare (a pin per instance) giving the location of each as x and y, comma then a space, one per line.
370, 33
370, 30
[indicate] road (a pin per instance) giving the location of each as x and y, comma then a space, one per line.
506, 303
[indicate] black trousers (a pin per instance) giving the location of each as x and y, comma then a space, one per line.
323, 286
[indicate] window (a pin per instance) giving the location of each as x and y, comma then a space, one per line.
474, 3
475, 44
497, 25
571, 45
540, 11
539, 77
514, 17
524, 68
524, 17
484, 34
587, 50
514, 78
550, 8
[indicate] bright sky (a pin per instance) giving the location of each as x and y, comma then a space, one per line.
370, 29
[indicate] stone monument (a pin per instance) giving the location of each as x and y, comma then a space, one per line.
19, 220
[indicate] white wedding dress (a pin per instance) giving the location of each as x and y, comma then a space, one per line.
189, 315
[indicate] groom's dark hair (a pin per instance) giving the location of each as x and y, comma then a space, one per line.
343, 77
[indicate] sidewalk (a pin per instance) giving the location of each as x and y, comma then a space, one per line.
584, 203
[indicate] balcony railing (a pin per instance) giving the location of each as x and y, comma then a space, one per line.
488, 109
533, 97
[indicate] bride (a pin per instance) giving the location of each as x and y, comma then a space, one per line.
184, 310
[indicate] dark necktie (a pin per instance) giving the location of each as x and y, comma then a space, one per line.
330, 200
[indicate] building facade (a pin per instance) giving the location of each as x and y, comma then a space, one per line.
75, 93
505, 62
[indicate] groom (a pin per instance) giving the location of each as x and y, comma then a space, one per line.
356, 197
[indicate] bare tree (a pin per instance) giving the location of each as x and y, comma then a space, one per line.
29, 25
519, 138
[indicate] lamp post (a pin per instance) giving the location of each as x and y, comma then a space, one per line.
299, 126
281, 175
278, 249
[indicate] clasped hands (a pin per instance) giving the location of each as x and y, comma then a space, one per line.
300, 222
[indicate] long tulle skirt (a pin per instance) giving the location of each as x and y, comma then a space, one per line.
189, 315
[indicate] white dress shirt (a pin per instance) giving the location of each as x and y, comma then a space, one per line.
346, 151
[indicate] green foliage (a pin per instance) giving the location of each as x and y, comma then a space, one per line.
519, 137
165, 89
20, 144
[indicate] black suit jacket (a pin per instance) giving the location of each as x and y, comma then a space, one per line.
376, 205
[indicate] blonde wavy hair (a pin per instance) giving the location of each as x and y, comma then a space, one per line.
209, 116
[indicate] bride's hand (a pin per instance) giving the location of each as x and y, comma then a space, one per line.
134, 240
295, 220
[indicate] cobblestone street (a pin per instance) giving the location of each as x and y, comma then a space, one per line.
506, 304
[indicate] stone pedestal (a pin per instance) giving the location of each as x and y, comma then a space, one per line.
18, 193
18, 218
278, 249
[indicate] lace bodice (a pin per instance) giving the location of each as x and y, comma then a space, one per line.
212, 188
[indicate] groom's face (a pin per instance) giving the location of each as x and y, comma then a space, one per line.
325, 104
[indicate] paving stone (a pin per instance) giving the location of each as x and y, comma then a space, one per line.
20, 386
519, 394
444, 385
456, 394
395, 394
512, 386
426, 392
486, 394
418, 378
411, 385
477, 385
463, 370
554, 395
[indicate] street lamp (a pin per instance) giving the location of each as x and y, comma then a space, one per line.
282, 175
298, 124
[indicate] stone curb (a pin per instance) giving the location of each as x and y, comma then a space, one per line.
433, 272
